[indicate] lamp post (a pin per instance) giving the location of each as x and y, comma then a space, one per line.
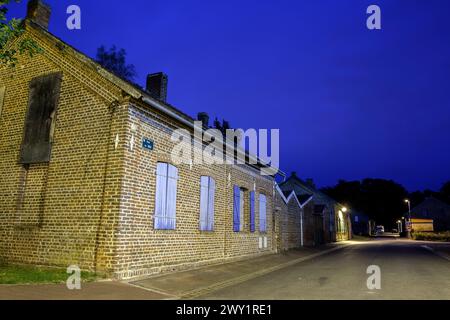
408, 221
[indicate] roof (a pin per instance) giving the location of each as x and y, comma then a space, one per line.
430, 207
303, 198
300, 187
131, 88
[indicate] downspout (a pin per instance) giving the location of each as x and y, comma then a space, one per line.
301, 227
112, 107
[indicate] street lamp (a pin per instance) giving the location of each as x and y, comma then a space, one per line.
408, 230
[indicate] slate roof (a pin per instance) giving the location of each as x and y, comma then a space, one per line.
430, 208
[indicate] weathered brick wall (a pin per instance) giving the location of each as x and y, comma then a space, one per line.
292, 226
51, 213
308, 224
143, 250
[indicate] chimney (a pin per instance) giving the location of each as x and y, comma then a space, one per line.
294, 174
39, 13
157, 86
204, 118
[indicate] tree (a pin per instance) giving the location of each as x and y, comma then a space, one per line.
115, 61
10, 30
382, 200
445, 192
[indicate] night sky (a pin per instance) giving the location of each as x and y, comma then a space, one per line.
350, 103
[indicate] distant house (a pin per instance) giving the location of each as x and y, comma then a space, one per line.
361, 223
324, 218
435, 209
422, 225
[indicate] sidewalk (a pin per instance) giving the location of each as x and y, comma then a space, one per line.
193, 283
179, 285
104, 290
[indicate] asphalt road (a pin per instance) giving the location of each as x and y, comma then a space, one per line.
408, 271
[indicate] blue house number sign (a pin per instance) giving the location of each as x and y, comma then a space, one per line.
147, 144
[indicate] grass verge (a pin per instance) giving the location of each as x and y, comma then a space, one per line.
19, 274
432, 236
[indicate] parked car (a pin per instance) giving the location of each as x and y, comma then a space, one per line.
379, 229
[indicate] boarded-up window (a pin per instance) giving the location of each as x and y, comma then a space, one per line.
42, 105
2, 97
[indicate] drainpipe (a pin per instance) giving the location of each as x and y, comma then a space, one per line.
301, 226
112, 107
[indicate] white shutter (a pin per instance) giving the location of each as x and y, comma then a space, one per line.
241, 207
211, 194
161, 195
204, 182
171, 197
262, 213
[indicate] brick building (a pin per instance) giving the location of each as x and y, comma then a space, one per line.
434, 210
323, 219
87, 177
291, 219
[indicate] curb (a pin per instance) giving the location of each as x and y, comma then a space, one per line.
227, 283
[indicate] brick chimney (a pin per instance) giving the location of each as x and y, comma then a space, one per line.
157, 86
39, 13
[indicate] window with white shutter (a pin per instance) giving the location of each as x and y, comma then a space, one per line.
262, 213
166, 196
207, 193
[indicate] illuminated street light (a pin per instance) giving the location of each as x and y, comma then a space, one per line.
408, 230
344, 209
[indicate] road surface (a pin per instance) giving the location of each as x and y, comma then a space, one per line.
408, 269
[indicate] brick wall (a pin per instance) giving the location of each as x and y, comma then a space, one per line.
142, 250
51, 213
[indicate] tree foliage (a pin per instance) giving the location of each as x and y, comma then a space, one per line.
114, 60
445, 192
382, 200
10, 30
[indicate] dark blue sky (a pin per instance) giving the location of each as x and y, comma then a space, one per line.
350, 103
